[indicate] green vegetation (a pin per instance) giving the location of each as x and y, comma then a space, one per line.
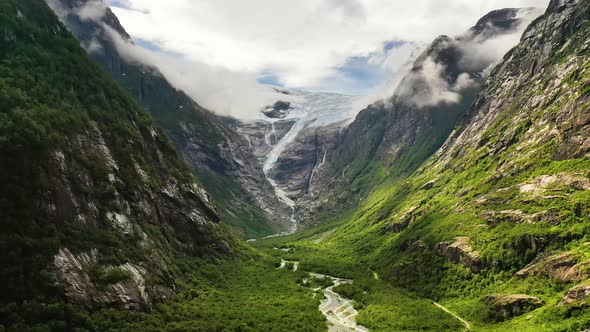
515, 196
232, 296
517, 193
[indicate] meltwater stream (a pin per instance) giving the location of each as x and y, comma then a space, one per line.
308, 109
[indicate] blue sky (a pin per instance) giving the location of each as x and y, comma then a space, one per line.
356, 76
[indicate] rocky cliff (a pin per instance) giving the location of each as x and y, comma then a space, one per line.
95, 203
220, 157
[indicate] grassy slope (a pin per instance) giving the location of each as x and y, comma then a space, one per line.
480, 179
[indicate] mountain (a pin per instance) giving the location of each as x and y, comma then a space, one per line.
219, 156
495, 223
460, 203
95, 204
390, 139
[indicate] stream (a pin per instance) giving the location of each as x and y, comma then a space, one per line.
339, 311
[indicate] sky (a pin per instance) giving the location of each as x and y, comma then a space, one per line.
342, 46
228, 54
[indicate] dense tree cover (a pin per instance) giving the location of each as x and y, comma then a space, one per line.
233, 296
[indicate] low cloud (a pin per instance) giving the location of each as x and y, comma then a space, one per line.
303, 42
93, 10
430, 86
218, 89
431, 83
215, 88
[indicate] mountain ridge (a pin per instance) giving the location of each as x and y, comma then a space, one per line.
219, 156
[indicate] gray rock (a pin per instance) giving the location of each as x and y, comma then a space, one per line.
460, 251
505, 306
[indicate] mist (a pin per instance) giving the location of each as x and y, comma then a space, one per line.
428, 85
225, 92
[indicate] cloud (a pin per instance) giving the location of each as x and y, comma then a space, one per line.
397, 62
301, 42
91, 10
431, 83
218, 50
215, 88
235, 94
430, 87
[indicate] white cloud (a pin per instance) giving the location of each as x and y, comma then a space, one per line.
218, 89
91, 10
429, 84
303, 41
225, 44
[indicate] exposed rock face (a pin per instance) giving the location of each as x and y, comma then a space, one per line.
564, 267
127, 291
278, 110
460, 251
510, 305
220, 157
576, 294
295, 169
263, 136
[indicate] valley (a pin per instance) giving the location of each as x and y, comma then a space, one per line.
459, 203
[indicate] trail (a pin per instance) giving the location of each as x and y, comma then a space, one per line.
284, 263
443, 308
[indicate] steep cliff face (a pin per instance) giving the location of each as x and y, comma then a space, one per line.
505, 200
392, 138
94, 201
295, 168
219, 156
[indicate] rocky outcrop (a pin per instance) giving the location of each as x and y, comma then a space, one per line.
402, 221
495, 218
278, 111
564, 267
542, 185
576, 294
90, 284
461, 252
506, 306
